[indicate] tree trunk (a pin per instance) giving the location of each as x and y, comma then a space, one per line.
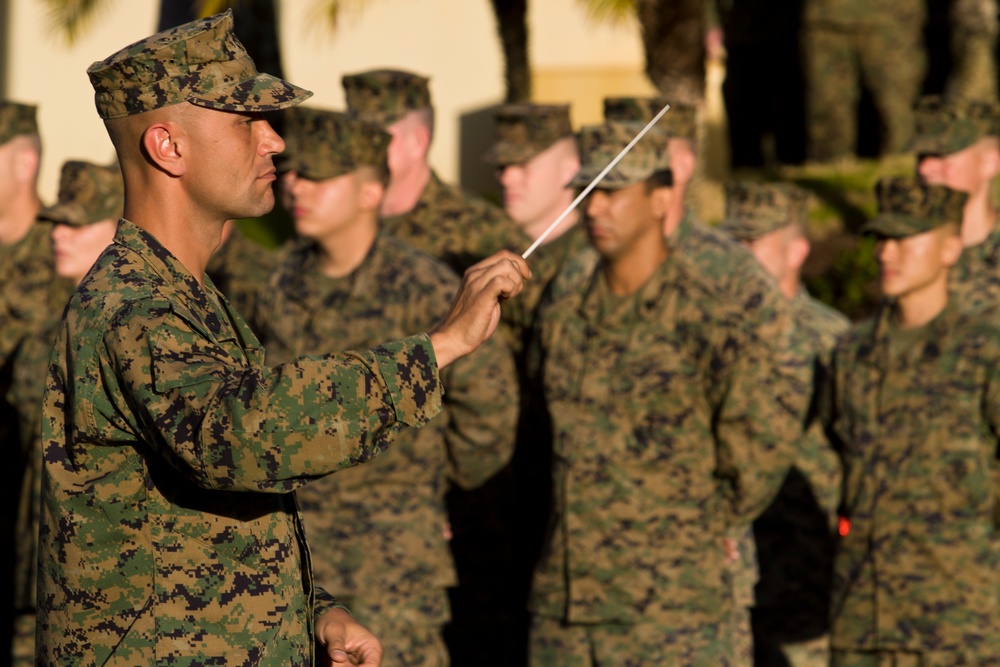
512, 26
673, 36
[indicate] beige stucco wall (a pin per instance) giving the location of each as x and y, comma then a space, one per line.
452, 41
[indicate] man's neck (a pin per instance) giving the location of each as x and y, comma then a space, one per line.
18, 218
627, 273
979, 218
342, 253
405, 189
676, 212
919, 307
789, 286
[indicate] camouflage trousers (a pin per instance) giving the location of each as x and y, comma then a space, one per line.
410, 633
556, 644
910, 659
888, 59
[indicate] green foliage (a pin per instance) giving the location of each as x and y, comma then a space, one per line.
69, 18
612, 12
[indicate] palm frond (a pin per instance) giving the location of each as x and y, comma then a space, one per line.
331, 12
208, 8
69, 18
613, 12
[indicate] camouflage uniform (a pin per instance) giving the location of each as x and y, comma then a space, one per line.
88, 193
916, 416
944, 127
446, 223
674, 411
793, 539
847, 42
238, 268
162, 540
973, 35
377, 531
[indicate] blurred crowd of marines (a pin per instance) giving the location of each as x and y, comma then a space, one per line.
668, 454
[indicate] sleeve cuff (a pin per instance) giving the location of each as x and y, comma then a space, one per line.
410, 372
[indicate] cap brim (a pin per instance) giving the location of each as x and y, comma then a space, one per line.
68, 214
504, 153
894, 226
261, 93
613, 180
738, 230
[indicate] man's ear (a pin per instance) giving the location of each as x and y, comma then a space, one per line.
951, 249
682, 161
660, 200
569, 167
798, 251
26, 162
370, 195
421, 139
162, 146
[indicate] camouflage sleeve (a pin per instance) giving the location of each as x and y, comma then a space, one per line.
325, 602
991, 407
760, 404
481, 398
229, 424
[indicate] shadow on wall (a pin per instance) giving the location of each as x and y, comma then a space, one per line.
476, 133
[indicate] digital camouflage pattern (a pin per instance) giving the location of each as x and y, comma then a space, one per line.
599, 144
238, 269
973, 37
525, 130
455, 226
917, 423
30, 291
88, 193
944, 126
326, 144
675, 414
679, 122
795, 535
756, 209
845, 42
975, 278
907, 207
17, 120
169, 533
384, 96
377, 531
200, 62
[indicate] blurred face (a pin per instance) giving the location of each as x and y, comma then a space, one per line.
535, 191
230, 162
772, 252
910, 264
78, 247
322, 208
966, 170
621, 220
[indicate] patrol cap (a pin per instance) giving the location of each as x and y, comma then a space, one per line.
88, 193
17, 119
907, 207
944, 126
678, 122
385, 95
755, 209
525, 130
599, 144
200, 62
326, 144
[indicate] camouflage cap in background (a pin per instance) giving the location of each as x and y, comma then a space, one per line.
326, 144
678, 122
599, 144
88, 193
907, 207
756, 209
944, 126
384, 96
525, 130
200, 62
17, 119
